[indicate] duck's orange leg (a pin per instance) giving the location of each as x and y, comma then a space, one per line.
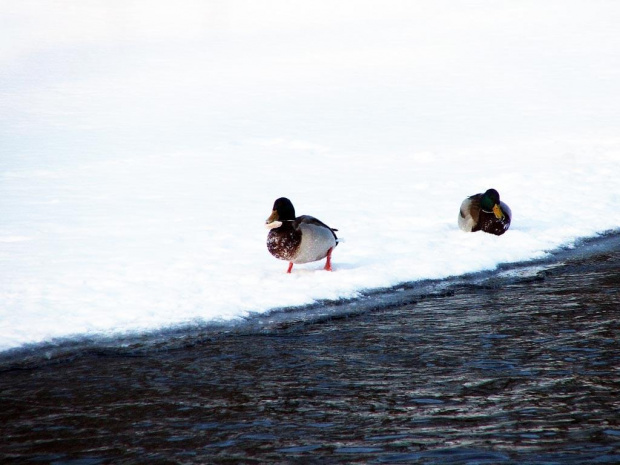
328, 263
290, 267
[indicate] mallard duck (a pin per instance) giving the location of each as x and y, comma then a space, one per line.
298, 240
485, 212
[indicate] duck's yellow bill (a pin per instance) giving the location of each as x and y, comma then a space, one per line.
498, 212
273, 217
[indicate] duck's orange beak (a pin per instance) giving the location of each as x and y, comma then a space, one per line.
499, 214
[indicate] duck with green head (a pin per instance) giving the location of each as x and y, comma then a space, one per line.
485, 212
299, 239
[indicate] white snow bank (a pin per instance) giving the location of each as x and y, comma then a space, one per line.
143, 145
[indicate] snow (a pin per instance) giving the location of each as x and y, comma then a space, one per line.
142, 145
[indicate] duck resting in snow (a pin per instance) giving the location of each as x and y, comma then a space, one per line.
485, 212
299, 239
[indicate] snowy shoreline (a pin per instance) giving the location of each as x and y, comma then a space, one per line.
143, 145
126, 245
279, 319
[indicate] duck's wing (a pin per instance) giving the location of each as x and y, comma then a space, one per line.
469, 214
311, 220
506, 210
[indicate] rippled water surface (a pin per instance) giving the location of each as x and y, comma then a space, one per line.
517, 366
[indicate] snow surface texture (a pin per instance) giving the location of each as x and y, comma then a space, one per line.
142, 145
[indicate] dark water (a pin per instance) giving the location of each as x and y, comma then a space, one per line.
517, 366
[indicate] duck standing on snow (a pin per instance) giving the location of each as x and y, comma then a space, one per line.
298, 240
485, 212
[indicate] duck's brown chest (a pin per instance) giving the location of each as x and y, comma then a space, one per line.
487, 222
283, 243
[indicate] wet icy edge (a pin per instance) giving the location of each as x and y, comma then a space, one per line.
289, 318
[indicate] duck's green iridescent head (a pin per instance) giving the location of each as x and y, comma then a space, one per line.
489, 202
283, 210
